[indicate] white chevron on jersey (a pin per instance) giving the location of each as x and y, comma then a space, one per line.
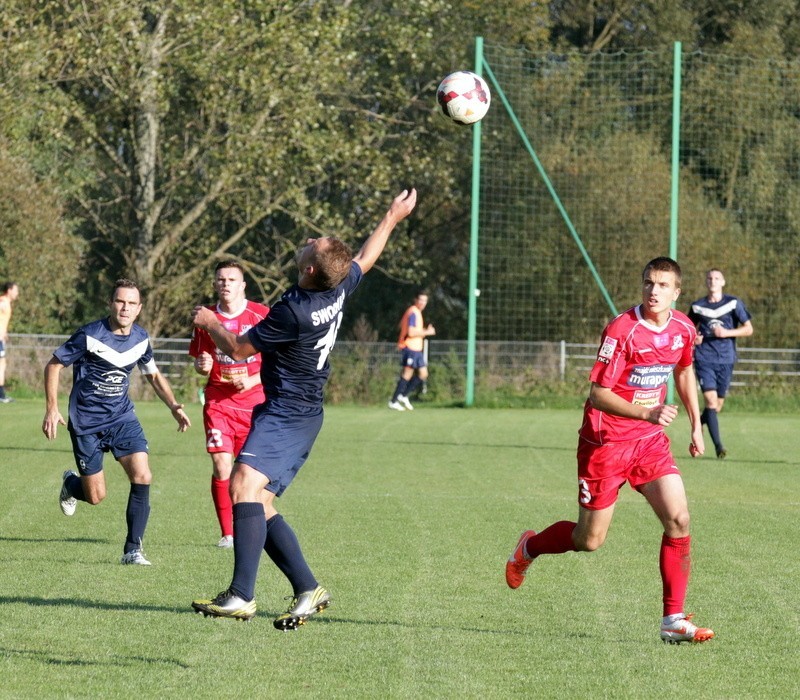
715, 313
116, 358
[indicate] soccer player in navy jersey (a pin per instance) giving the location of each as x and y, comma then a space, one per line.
720, 319
295, 341
101, 414
622, 439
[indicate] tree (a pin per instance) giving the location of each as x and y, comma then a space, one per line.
37, 251
188, 131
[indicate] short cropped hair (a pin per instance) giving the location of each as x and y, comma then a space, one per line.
124, 283
227, 264
8, 286
663, 264
332, 264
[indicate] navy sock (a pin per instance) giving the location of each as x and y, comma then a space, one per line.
713, 427
249, 533
413, 385
400, 389
282, 547
75, 487
136, 515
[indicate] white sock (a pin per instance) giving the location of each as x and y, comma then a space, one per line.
669, 619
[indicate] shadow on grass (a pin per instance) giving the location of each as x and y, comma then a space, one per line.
74, 540
262, 616
113, 660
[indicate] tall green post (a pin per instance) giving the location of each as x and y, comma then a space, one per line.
676, 170
676, 147
469, 398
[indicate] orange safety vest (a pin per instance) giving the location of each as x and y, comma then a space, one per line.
404, 341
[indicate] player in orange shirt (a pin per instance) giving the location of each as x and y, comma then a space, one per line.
622, 439
233, 388
413, 332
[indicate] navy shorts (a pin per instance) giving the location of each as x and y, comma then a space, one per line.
2, 349
121, 440
413, 358
280, 441
714, 378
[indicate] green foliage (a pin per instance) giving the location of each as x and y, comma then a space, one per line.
195, 131
37, 250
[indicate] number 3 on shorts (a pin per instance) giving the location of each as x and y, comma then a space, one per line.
214, 438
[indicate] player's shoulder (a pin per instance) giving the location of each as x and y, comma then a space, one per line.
138, 333
681, 317
256, 308
95, 329
622, 323
680, 323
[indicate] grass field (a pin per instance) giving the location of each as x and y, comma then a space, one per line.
407, 519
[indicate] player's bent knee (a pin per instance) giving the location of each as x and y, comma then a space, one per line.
587, 542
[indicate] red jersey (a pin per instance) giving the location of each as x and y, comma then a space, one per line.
635, 361
226, 369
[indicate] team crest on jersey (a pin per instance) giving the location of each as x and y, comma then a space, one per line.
677, 342
607, 349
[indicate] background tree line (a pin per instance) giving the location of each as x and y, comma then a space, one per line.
152, 139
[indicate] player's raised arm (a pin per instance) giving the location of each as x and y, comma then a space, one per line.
402, 205
236, 346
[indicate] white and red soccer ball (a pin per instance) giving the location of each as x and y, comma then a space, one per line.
464, 97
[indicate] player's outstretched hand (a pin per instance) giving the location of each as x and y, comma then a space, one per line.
181, 418
697, 446
52, 419
403, 204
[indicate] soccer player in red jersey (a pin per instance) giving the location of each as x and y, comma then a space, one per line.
233, 388
622, 439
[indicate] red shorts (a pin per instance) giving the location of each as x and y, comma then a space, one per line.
226, 427
603, 469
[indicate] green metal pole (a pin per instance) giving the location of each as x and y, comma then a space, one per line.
676, 171
469, 399
676, 145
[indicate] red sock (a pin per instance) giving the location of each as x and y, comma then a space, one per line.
555, 539
220, 492
675, 563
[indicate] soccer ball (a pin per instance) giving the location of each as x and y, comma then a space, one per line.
464, 97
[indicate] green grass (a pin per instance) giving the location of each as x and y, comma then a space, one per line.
407, 519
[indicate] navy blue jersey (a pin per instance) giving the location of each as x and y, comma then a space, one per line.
297, 337
103, 362
730, 312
